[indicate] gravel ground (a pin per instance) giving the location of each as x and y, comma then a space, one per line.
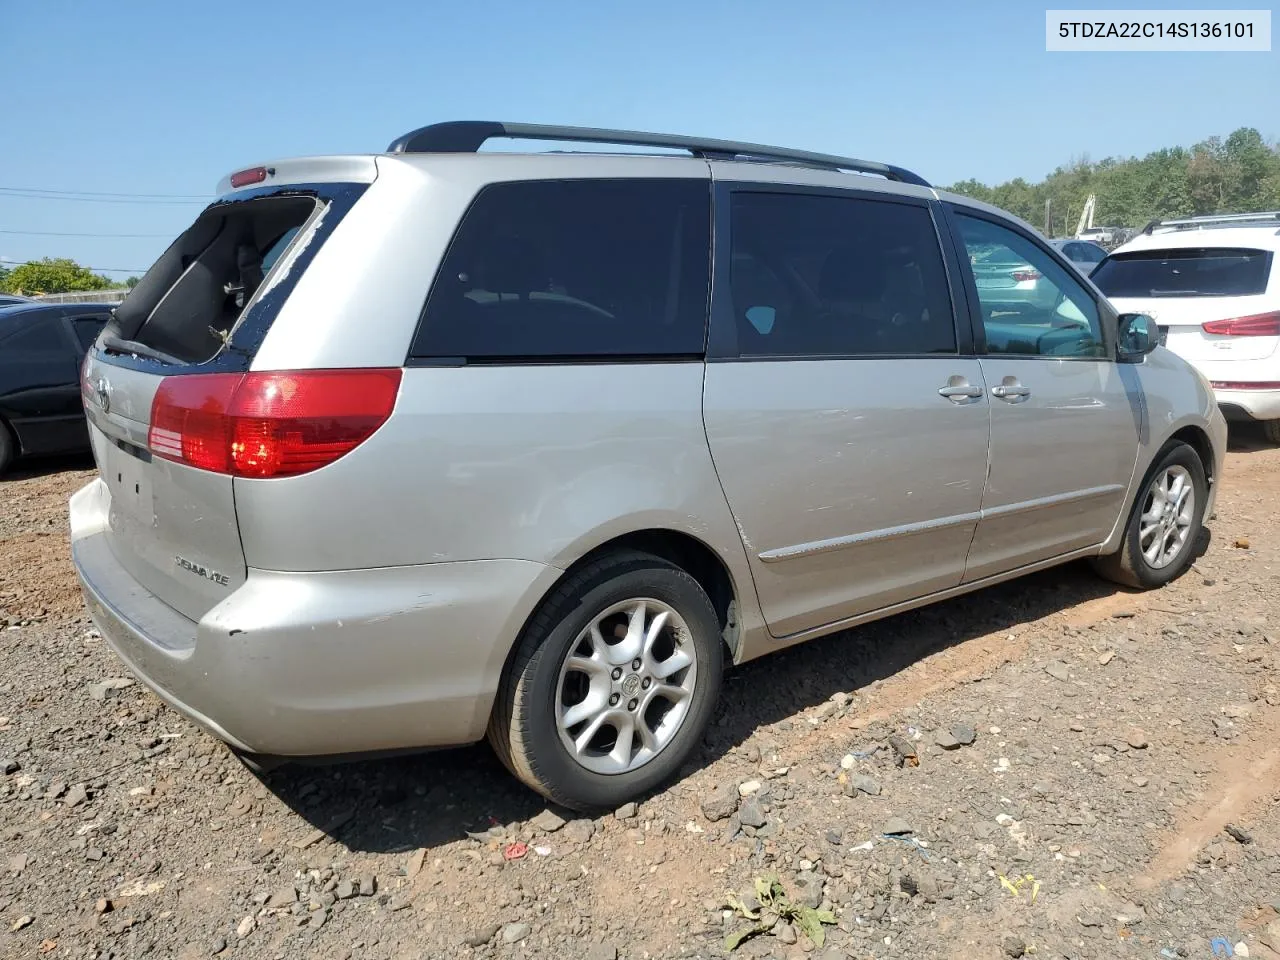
1051, 768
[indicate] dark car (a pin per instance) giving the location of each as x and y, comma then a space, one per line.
41, 348
13, 300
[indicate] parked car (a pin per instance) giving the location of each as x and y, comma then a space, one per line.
1212, 286
480, 454
13, 300
41, 348
1085, 255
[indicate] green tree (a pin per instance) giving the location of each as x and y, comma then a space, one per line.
50, 275
132, 282
1238, 174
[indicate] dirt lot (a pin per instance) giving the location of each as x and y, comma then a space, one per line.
1115, 738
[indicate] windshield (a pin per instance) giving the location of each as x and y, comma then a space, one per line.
1185, 272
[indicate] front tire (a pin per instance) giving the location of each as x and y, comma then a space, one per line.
1271, 430
1164, 525
612, 685
6, 447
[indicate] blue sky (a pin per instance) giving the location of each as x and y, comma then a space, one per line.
166, 97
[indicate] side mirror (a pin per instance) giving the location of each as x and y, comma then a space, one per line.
1138, 336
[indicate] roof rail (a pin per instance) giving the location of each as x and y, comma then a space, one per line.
468, 136
1263, 219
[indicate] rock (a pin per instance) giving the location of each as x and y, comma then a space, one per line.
748, 788
809, 890
10, 766
720, 803
1058, 670
1136, 739
76, 795
1106, 657
579, 831
22, 923
602, 951
908, 885
99, 690
548, 821
786, 933
18, 863
515, 932
482, 935
284, 897
1140, 781
414, 866
905, 751
368, 885
93, 853
1271, 935
102, 905
946, 740
750, 814
317, 918
861, 783
346, 889
897, 827
965, 733
848, 761
218, 945
1013, 945
626, 811
245, 927
1239, 834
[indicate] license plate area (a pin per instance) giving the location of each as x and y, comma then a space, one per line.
127, 472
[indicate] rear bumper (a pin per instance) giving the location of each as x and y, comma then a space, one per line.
1249, 404
314, 664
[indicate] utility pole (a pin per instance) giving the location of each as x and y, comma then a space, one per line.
1048, 216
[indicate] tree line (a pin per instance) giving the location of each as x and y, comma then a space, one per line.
1239, 174
56, 275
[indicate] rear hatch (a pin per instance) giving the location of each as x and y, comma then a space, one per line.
197, 317
1184, 288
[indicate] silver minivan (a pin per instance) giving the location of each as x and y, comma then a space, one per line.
409, 449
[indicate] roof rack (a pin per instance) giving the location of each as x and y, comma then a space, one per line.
1264, 219
468, 136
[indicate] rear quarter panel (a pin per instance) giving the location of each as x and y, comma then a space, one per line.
538, 462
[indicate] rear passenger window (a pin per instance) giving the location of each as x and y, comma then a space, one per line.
815, 276
87, 330
37, 340
574, 269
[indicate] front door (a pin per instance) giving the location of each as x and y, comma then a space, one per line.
1064, 416
849, 432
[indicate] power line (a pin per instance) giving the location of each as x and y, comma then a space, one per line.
96, 193
137, 270
144, 202
51, 233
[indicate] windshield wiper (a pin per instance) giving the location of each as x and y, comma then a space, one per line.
113, 344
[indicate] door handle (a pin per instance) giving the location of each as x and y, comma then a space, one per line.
960, 392
1012, 392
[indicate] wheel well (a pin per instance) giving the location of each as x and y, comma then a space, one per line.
693, 557
1198, 440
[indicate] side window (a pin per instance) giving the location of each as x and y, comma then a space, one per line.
37, 340
585, 268
1030, 304
1090, 253
87, 330
816, 276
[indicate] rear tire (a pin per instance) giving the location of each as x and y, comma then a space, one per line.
575, 718
7, 447
1271, 430
1161, 534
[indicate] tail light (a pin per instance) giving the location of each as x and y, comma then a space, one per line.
1021, 276
276, 424
86, 392
1245, 384
1255, 325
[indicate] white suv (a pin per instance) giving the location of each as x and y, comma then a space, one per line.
1212, 287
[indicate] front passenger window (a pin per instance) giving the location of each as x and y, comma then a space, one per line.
1030, 304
